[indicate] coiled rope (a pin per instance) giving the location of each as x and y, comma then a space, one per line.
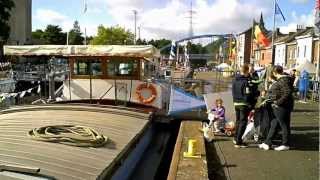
70, 135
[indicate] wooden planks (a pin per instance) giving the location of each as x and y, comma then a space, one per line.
62, 161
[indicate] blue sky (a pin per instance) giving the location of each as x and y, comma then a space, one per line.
167, 18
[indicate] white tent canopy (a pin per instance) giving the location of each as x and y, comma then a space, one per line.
145, 51
223, 66
307, 66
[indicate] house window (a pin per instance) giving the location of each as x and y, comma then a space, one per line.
262, 56
305, 51
298, 51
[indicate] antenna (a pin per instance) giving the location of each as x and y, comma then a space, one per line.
190, 17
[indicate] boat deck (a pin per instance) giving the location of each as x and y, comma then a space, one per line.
62, 161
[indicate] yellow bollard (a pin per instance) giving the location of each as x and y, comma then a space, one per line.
191, 149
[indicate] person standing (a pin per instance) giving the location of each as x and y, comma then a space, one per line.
282, 105
242, 98
303, 85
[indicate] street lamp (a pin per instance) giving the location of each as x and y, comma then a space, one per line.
135, 12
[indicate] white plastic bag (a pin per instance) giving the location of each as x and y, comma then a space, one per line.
249, 131
207, 132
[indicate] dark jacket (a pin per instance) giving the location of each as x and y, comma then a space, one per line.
280, 92
241, 90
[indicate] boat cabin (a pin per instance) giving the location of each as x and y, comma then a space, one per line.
103, 72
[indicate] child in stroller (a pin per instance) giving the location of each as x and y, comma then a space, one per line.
216, 117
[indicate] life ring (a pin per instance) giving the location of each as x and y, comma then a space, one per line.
149, 87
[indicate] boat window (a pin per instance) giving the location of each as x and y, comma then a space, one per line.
122, 68
82, 67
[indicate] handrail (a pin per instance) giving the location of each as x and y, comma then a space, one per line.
106, 92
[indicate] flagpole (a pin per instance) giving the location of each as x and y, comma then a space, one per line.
273, 31
252, 34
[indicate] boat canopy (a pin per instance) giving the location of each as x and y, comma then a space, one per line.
142, 51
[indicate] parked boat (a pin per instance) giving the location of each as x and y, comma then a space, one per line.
97, 75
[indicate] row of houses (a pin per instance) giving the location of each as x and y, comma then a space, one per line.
289, 51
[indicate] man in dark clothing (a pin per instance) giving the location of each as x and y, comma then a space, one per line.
282, 105
242, 98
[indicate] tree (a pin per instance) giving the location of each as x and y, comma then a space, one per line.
75, 35
112, 36
161, 43
5, 9
37, 37
54, 35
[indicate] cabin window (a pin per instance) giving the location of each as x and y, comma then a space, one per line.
122, 68
83, 67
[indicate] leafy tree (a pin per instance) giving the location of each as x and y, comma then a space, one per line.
141, 42
161, 43
54, 35
5, 8
37, 36
75, 35
112, 36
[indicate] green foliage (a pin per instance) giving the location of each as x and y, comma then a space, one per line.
161, 43
141, 42
51, 35
75, 35
54, 35
5, 10
214, 46
112, 36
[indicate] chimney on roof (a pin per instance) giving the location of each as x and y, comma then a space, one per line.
299, 27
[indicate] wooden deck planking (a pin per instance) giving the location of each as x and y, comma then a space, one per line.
62, 161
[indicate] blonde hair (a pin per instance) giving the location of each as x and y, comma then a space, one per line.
219, 101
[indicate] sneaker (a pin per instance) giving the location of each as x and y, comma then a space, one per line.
243, 145
234, 141
282, 148
264, 146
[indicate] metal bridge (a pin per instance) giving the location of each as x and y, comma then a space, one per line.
218, 36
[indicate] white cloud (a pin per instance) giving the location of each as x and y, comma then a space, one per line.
169, 21
47, 16
300, 1
303, 19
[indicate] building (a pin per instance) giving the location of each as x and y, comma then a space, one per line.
316, 50
305, 46
244, 47
291, 53
20, 22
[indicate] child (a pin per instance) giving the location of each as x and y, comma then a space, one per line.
217, 116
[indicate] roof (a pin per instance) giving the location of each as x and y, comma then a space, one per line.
307, 32
143, 51
63, 161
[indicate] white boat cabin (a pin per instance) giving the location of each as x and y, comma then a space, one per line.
104, 72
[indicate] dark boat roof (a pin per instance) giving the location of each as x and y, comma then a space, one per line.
63, 161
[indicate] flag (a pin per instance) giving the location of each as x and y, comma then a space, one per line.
186, 56
232, 47
181, 101
260, 36
39, 89
278, 11
172, 50
85, 6
317, 18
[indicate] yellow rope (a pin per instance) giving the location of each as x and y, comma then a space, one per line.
70, 135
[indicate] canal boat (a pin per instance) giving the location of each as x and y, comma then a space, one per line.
108, 88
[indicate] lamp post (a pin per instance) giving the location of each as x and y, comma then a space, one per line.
135, 12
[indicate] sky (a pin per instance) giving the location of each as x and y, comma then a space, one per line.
168, 18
